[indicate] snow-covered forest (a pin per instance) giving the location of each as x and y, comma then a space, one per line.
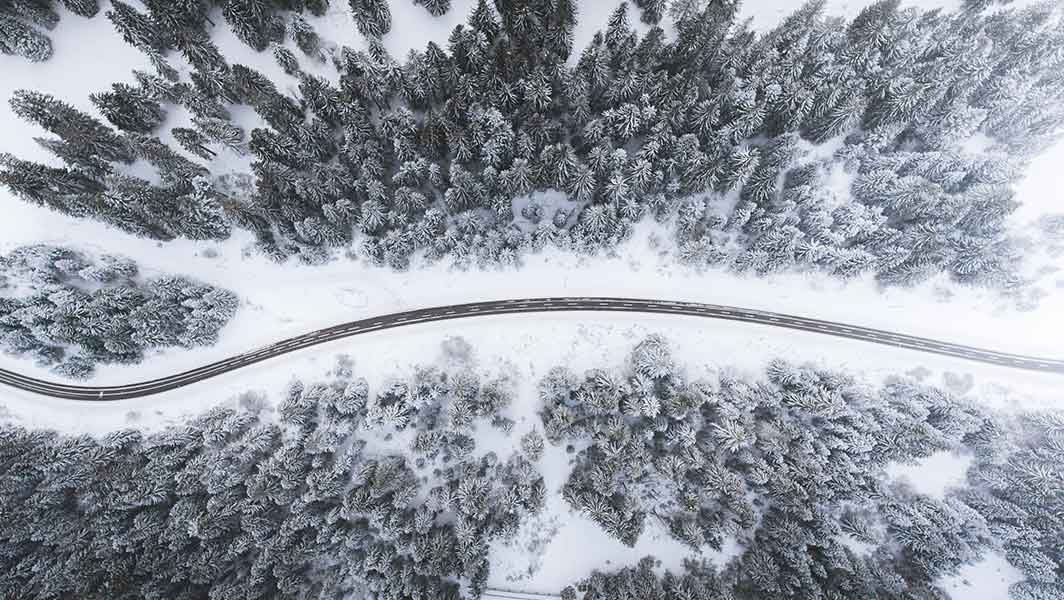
70, 311
735, 136
334, 491
190, 182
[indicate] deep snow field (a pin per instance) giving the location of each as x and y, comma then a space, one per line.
279, 301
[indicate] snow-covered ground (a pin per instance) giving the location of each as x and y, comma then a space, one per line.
290, 299
567, 545
280, 301
560, 546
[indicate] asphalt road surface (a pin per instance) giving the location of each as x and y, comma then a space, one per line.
529, 305
505, 595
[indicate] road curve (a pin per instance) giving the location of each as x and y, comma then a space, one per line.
529, 305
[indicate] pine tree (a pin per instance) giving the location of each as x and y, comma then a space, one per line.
193, 141
686, 10
87, 137
305, 36
84, 8
653, 10
158, 88
372, 17
532, 445
253, 21
174, 169
286, 59
54, 320
137, 29
221, 131
19, 39
129, 109
436, 8
204, 218
34, 12
639, 122
44, 185
250, 86
180, 21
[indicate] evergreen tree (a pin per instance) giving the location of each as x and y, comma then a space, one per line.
653, 10
220, 131
44, 185
253, 21
129, 109
72, 311
86, 138
305, 36
33, 12
20, 39
251, 87
137, 29
286, 59
640, 125
84, 8
436, 8
193, 141
261, 502
372, 17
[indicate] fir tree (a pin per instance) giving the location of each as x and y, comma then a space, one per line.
129, 109
372, 17
286, 59
436, 8
20, 39
34, 12
54, 320
137, 29
86, 137
253, 21
305, 36
653, 10
193, 141
84, 8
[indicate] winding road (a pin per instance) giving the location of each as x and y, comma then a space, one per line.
528, 305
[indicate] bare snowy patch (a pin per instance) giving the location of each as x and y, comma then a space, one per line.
987, 579
934, 475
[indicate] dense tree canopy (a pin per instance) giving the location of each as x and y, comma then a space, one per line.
339, 490
887, 144
725, 133
253, 502
793, 469
69, 311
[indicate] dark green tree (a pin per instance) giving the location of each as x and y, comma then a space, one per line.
372, 17
129, 108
